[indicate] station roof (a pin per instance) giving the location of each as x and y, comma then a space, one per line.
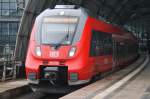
130, 13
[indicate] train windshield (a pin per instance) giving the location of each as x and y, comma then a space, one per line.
58, 30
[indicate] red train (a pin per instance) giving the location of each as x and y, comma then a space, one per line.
69, 47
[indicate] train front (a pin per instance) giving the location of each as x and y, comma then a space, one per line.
55, 54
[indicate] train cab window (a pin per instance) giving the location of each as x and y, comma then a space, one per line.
56, 30
101, 43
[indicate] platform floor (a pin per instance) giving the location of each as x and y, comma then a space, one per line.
5, 86
136, 88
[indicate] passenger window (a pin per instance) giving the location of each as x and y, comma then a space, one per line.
93, 44
101, 43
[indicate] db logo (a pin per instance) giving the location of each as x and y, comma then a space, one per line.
54, 54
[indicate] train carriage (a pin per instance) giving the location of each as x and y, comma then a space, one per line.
68, 47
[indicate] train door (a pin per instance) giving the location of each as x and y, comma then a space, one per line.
117, 54
114, 54
93, 51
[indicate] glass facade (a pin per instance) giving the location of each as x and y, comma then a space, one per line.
8, 32
10, 15
11, 7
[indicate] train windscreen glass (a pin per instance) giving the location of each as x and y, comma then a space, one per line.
58, 30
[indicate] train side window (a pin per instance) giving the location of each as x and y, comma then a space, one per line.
106, 43
93, 44
101, 44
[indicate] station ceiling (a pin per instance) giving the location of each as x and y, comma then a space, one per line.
131, 14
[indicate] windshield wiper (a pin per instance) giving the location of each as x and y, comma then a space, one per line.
60, 43
66, 37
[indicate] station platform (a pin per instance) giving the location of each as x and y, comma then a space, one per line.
137, 88
13, 88
5, 86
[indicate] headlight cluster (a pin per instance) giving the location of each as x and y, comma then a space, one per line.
72, 51
38, 51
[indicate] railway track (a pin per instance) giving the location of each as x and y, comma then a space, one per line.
39, 95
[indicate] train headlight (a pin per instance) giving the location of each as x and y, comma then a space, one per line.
72, 51
38, 51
